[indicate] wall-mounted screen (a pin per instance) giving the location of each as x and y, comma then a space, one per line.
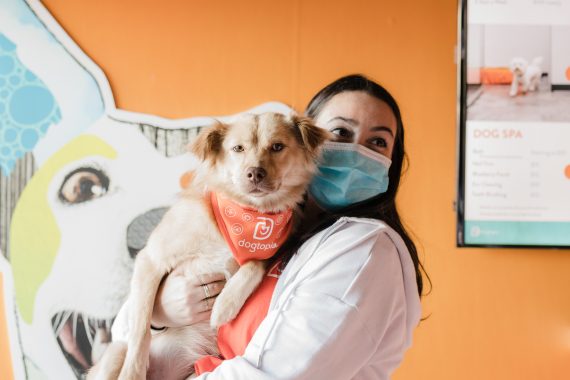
514, 123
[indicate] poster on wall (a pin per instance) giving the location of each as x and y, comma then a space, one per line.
82, 184
514, 169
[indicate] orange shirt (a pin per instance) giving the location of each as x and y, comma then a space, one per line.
234, 336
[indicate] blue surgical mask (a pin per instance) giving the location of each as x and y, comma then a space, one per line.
348, 174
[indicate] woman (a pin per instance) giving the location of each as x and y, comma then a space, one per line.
348, 300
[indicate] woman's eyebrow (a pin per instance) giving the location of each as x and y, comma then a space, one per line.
382, 128
346, 120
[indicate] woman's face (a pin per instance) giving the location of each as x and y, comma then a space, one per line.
356, 117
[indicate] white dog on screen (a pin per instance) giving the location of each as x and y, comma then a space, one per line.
526, 77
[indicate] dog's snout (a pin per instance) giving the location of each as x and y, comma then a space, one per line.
256, 174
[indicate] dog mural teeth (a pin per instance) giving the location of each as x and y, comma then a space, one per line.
82, 339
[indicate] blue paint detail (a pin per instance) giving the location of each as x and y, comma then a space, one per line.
15, 80
6, 44
31, 104
6, 151
10, 135
29, 139
30, 77
27, 107
6, 65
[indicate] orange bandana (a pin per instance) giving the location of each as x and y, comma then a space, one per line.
251, 235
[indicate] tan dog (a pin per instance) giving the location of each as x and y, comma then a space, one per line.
263, 162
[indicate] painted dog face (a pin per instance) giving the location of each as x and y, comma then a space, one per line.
88, 195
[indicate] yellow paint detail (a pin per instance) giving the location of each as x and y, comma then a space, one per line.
34, 235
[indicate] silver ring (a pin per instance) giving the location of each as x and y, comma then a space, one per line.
206, 290
208, 306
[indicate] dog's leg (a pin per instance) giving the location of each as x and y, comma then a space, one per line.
236, 292
525, 85
173, 352
534, 82
109, 366
514, 87
146, 279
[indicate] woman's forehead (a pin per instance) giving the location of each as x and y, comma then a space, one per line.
358, 109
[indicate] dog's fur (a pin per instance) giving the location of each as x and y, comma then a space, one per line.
188, 236
525, 76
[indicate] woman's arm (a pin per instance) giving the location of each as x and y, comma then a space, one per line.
348, 318
180, 301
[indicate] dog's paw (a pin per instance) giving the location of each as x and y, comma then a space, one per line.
225, 309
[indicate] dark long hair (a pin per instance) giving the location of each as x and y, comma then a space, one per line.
382, 207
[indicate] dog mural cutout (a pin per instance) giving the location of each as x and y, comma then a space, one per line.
97, 180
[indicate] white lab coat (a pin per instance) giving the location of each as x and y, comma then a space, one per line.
345, 307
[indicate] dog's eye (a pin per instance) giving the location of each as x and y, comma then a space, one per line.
238, 148
82, 185
277, 147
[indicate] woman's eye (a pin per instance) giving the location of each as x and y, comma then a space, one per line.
238, 148
380, 142
277, 147
342, 132
82, 185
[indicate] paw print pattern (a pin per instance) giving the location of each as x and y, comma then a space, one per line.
230, 212
237, 229
27, 107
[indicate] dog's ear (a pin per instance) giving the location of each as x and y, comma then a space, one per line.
309, 135
208, 144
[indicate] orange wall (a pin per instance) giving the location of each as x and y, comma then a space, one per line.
493, 314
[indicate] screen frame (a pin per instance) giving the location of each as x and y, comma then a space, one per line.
459, 204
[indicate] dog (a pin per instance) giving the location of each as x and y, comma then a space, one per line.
262, 162
525, 76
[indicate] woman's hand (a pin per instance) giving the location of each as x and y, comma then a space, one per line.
184, 300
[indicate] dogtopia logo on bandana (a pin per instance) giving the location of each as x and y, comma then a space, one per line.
251, 235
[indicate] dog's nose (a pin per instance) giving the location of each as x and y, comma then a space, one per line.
140, 228
256, 174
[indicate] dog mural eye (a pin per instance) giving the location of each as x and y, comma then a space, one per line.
277, 147
82, 185
238, 148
